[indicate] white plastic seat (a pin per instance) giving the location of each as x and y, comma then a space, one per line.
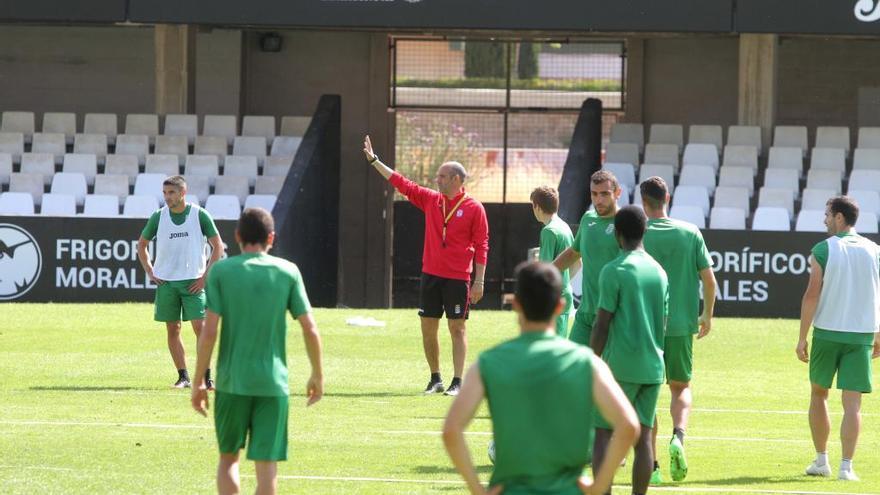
770, 197
614, 153
692, 196
811, 221
294, 125
112, 185
741, 156
82, 163
865, 179
58, 205
12, 143
661, 154
60, 122
205, 165
70, 183
34, 184
791, 136
50, 143
745, 135
194, 199
667, 134
250, 146
624, 172
258, 125
828, 159
182, 125
265, 201
706, 134
166, 165
698, 175
272, 185
869, 137
818, 178
783, 178
627, 133
22, 122
833, 137
137, 206
95, 144
866, 159
867, 200
786, 157
145, 124
122, 165
287, 146
101, 205
241, 166
150, 185
866, 223
737, 177
727, 218
223, 206
732, 197
172, 145
277, 165
623, 200
16, 203
39, 163
771, 218
5, 168
133, 144
224, 126
701, 154
199, 186
211, 145
665, 172
815, 199
232, 185
101, 123
691, 214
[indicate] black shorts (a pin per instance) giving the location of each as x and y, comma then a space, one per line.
438, 294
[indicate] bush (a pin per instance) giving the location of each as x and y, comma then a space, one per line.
484, 59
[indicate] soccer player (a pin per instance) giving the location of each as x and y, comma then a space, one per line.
456, 242
535, 384
179, 229
629, 331
680, 250
251, 293
842, 302
595, 243
555, 238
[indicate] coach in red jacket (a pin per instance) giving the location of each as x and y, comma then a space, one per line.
456, 239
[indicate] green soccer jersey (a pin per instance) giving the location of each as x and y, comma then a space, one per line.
597, 246
634, 287
535, 384
205, 222
555, 238
252, 294
680, 250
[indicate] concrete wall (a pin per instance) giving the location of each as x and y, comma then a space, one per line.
218, 71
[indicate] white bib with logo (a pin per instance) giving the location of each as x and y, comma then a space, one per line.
850, 297
180, 249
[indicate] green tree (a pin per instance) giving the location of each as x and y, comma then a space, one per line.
527, 64
484, 59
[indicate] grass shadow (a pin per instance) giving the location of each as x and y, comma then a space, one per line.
757, 480
67, 388
484, 469
368, 395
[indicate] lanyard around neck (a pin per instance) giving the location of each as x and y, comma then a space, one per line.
447, 217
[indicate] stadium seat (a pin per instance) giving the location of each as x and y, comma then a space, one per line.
732, 197
667, 134
701, 154
866, 159
95, 144
250, 146
194, 199
113, 185
142, 124
624, 172
828, 159
34, 184
162, 164
12, 143
70, 183
869, 137
61, 123
223, 206
623, 200
279, 166
771, 218
39, 163
737, 177
786, 157
204, 165
265, 201
741, 156
698, 175
150, 185
727, 218
626, 133
241, 166
272, 185
745, 135
818, 178
182, 125
81, 163
232, 186
690, 214
259, 126
101, 123
867, 200
211, 145
811, 221
614, 153
101, 205
661, 154
815, 199
295, 126
16, 203
122, 165
133, 144
22, 122
58, 205
665, 172
50, 143
199, 186
706, 134
791, 136
5, 168
637, 195
224, 126
866, 223
172, 145
137, 206
833, 137
783, 178
692, 196
287, 146
865, 179
770, 197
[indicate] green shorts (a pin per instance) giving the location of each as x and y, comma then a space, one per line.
582, 328
851, 363
678, 355
174, 297
264, 419
643, 397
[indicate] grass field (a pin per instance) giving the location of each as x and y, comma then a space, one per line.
86, 407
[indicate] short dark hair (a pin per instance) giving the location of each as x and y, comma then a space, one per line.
603, 175
654, 191
255, 225
538, 289
846, 206
630, 223
176, 181
546, 198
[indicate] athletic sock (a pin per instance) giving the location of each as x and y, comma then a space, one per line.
207, 374
822, 458
846, 464
183, 374
656, 465
678, 432
435, 377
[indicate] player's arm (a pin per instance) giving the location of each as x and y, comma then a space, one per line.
808, 308
707, 276
216, 253
613, 405
566, 259
205, 346
575, 268
374, 160
312, 339
144, 257
600, 331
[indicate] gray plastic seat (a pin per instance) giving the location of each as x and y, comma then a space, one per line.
150, 185
276, 166
223, 206
258, 125
265, 201
101, 205
250, 146
741, 156
58, 205
661, 154
224, 126
5, 168
628, 133
53, 143
166, 165
618, 153
698, 175
737, 177
745, 135
182, 125
701, 154
232, 185
294, 125
22, 122
692, 196
16, 203
172, 145
772, 219
70, 183
60, 122
211, 145
134, 144
791, 136
122, 165
786, 157
815, 199
287, 146
241, 166
140, 206
199, 186
12, 143
811, 221
818, 178
690, 214
833, 137
867, 200
667, 134
142, 124
727, 218
269, 185
94, 144
112, 185
101, 123
732, 197
777, 198
624, 172
203, 165
866, 159
39, 163
828, 159
34, 184
706, 134
82, 163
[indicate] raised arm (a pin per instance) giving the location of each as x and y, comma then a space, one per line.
373, 158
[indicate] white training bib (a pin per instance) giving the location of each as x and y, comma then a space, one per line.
850, 298
180, 249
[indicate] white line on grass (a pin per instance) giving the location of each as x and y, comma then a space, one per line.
760, 411
104, 424
42, 468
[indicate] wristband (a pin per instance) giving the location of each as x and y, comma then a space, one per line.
374, 160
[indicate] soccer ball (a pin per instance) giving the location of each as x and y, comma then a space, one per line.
492, 451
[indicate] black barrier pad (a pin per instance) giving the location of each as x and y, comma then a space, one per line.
63, 11
807, 16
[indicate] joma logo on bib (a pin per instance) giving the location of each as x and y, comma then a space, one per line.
177, 235
867, 10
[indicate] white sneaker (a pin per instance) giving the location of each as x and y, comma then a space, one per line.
814, 470
847, 475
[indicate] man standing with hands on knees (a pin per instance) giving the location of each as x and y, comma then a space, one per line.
456, 243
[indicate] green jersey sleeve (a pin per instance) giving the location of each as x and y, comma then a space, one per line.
299, 300
609, 289
149, 232
704, 260
547, 252
212, 291
207, 223
820, 252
